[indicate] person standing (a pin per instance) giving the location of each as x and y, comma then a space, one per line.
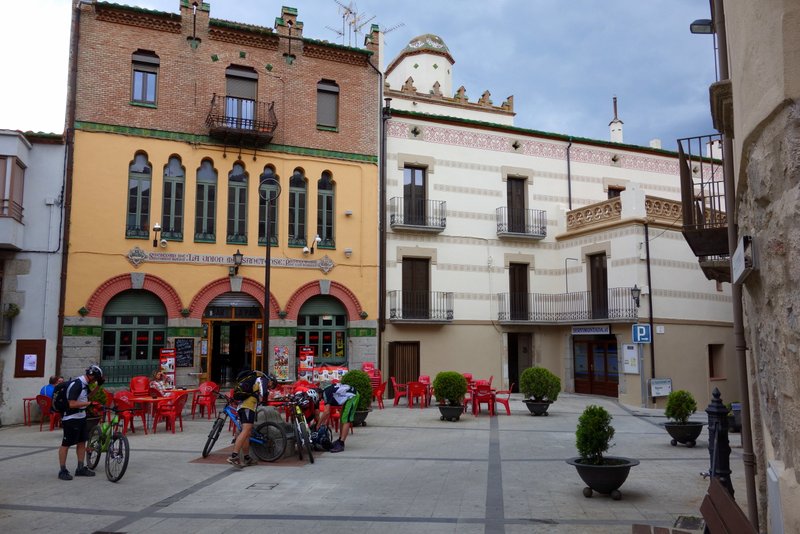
251, 388
74, 422
347, 397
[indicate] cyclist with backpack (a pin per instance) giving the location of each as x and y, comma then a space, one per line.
347, 397
251, 388
73, 422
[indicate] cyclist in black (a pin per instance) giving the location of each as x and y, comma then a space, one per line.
74, 422
251, 388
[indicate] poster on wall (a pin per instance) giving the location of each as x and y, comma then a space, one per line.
168, 366
329, 373
280, 363
305, 363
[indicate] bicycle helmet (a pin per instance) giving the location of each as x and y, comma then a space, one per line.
313, 395
94, 371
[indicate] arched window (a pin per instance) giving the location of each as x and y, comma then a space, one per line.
205, 203
172, 209
297, 209
134, 332
237, 205
325, 211
322, 324
137, 223
267, 191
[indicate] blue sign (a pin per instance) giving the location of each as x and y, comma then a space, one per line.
642, 333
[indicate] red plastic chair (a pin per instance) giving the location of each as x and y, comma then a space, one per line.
206, 399
367, 366
45, 403
417, 390
483, 394
123, 401
377, 394
400, 390
503, 400
170, 411
140, 386
425, 379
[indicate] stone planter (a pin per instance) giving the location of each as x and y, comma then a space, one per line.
450, 413
606, 477
685, 433
537, 407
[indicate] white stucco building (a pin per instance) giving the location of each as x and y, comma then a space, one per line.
508, 247
31, 223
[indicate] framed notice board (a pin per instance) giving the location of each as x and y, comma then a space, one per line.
184, 352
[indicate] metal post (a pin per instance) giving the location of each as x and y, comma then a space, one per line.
269, 198
718, 446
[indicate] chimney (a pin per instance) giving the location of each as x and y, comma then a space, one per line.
615, 126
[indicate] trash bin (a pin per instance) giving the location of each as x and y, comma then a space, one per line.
735, 417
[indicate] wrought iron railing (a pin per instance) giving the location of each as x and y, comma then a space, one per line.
230, 116
566, 307
420, 214
421, 305
521, 222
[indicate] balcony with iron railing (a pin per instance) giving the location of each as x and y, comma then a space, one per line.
417, 215
12, 231
521, 223
420, 307
240, 120
616, 305
705, 221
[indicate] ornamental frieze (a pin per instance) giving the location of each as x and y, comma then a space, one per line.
168, 23
136, 256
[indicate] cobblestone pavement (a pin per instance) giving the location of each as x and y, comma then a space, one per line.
405, 472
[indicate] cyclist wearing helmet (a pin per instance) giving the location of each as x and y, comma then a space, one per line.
347, 397
255, 385
74, 422
313, 396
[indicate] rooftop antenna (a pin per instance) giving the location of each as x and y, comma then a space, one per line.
387, 30
358, 24
348, 12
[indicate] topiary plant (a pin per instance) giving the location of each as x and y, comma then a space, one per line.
680, 406
450, 388
539, 384
97, 393
593, 435
360, 380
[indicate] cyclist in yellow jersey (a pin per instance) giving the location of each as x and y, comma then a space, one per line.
254, 386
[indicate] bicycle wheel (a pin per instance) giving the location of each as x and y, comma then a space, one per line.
94, 448
117, 457
298, 438
213, 436
272, 442
307, 440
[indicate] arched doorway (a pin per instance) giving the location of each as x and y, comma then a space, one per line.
231, 339
322, 330
134, 332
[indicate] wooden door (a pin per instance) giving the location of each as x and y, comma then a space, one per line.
404, 359
518, 291
599, 286
416, 288
515, 200
596, 367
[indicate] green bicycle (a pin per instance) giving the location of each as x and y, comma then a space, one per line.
107, 438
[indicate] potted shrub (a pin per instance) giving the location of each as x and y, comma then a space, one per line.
604, 474
540, 387
360, 380
450, 388
97, 393
680, 406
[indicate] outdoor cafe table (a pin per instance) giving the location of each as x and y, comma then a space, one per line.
152, 405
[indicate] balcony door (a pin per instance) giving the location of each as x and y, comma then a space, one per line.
414, 196
416, 288
241, 85
598, 278
518, 290
515, 200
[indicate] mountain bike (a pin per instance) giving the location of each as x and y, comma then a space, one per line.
302, 434
107, 438
268, 439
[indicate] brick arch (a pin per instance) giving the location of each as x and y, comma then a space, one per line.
311, 289
114, 286
223, 285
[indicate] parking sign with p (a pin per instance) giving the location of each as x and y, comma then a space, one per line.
642, 333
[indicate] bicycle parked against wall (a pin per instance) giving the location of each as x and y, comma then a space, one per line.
267, 440
302, 435
107, 438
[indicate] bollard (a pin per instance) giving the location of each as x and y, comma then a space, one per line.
718, 445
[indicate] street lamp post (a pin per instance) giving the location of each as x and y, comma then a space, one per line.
636, 294
269, 189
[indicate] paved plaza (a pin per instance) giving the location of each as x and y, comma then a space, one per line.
405, 472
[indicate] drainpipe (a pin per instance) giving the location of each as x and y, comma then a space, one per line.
718, 14
569, 175
650, 320
67, 197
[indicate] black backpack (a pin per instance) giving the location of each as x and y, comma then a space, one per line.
60, 401
244, 387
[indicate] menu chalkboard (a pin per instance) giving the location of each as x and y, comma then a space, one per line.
184, 352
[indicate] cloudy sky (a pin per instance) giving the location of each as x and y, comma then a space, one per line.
563, 60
